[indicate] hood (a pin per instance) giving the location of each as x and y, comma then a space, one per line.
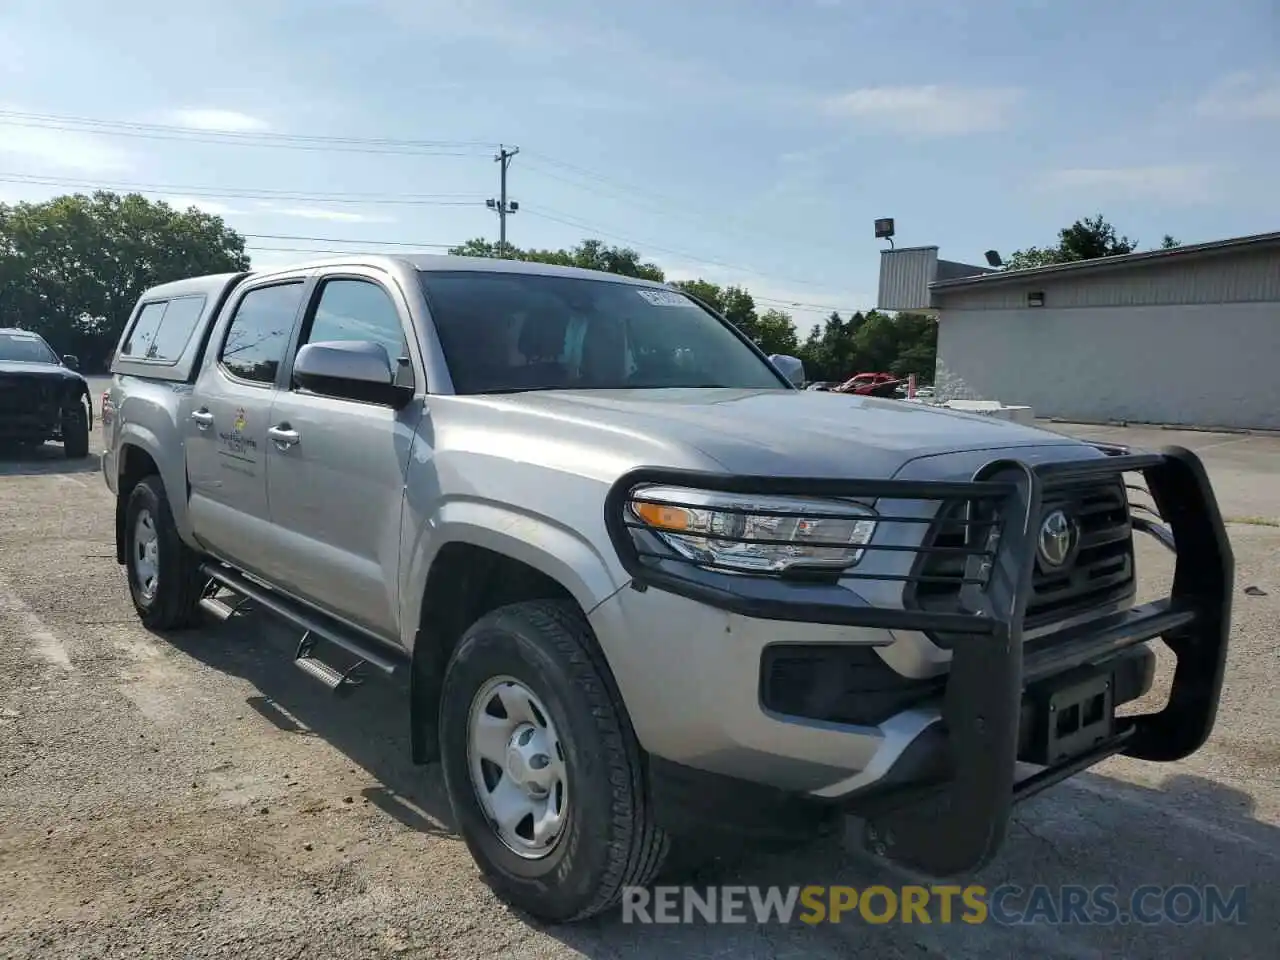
788, 432
45, 369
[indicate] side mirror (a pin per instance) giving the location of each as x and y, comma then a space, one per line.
350, 369
790, 367
71, 361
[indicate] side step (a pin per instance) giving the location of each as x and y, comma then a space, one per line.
315, 626
338, 681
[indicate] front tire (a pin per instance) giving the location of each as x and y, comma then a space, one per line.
566, 779
75, 432
164, 573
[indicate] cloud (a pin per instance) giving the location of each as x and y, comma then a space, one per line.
322, 213
228, 121
63, 149
1244, 96
1170, 183
932, 110
208, 206
542, 41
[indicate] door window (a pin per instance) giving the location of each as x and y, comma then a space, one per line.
359, 310
259, 332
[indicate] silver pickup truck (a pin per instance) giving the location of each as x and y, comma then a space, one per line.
643, 586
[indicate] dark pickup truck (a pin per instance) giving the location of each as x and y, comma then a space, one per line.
42, 397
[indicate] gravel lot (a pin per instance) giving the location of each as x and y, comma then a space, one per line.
199, 797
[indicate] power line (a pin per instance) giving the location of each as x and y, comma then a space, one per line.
355, 144
379, 243
346, 251
265, 134
244, 193
377, 145
581, 225
418, 147
538, 156
155, 131
238, 193
385, 145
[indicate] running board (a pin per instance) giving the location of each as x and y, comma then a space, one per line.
315, 626
337, 681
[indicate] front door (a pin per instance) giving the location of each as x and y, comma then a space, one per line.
226, 433
336, 480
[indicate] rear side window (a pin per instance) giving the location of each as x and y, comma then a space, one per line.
163, 329
139, 342
259, 332
180, 319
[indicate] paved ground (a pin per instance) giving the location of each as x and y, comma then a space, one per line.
199, 797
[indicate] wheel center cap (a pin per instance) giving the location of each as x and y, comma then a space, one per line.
527, 759
517, 769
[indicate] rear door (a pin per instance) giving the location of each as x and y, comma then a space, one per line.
226, 433
336, 487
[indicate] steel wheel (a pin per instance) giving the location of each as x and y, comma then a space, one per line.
517, 767
146, 554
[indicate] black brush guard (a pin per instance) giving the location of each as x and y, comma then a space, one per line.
959, 824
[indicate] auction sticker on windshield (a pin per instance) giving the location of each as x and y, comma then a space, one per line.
665, 298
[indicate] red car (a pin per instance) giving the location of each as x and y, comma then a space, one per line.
871, 384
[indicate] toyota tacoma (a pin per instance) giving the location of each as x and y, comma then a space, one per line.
643, 586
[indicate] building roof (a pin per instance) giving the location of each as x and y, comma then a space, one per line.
1106, 264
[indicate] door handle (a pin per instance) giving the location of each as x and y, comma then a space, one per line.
283, 436
203, 418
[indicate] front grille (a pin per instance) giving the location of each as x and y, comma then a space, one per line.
1100, 573
24, 394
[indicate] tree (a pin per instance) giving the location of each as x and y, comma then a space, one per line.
903, 344
1086, 239
72, 268
589, 255
775, 333
917, 349
828, 352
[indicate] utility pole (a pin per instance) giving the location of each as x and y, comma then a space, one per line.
502, 205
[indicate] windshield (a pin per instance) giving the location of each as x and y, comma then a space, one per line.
22, 347
508, 332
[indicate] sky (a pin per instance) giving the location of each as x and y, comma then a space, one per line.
744, 141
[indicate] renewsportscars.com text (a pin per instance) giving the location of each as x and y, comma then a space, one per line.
1006, 905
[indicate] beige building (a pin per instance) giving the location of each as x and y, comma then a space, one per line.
1183, 336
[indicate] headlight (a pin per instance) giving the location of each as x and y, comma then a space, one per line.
754, 534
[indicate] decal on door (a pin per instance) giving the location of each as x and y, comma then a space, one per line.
236, 443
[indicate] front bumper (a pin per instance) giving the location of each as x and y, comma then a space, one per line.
29, 427
948, 771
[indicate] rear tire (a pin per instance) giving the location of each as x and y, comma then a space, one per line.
75, 432
164, 573
543, 653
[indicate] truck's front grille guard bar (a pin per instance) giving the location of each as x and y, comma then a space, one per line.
960, 824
